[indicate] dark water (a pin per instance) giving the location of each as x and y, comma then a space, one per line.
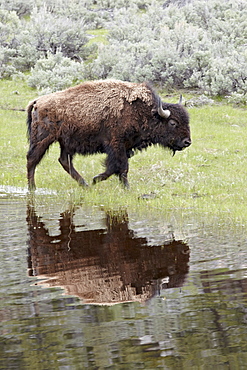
86, 289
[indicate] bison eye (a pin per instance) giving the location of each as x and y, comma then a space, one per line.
172, 123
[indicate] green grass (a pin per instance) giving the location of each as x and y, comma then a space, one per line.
15, 94
98, 36
205, 181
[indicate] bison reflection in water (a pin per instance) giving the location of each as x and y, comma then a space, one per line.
104, 266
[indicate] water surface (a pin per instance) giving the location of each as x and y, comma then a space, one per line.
84, 288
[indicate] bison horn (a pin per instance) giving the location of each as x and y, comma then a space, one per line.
165, 113
180, 99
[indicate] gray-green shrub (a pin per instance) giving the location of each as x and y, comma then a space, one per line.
55, 72
176, 43
202, 44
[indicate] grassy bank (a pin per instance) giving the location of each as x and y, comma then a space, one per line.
207, 179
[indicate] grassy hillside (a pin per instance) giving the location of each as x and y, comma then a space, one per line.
207, 179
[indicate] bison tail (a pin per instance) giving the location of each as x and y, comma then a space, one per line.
29, 118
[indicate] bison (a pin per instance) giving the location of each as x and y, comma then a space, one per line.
106, 116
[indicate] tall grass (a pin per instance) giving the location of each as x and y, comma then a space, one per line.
207, 180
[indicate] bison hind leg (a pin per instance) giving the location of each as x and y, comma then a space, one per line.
65, 160
35, 154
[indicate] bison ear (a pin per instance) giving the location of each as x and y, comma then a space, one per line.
165, 113
180, 99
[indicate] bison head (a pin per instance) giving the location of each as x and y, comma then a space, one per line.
175, 122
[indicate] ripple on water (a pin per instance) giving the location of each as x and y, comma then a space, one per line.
6, 191
196, 308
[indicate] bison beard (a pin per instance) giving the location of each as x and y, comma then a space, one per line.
108, 116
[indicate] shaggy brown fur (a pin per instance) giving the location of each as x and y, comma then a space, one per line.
112, 117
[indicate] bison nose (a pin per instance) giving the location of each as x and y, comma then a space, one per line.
186, 142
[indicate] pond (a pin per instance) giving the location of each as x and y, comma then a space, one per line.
85, 288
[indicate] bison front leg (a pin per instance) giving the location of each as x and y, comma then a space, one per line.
124, 180
116, 163
65, 160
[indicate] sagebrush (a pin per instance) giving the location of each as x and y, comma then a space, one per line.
174, 44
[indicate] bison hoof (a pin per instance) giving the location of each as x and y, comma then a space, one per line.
124, 181
97, 179
83, 183
31, 187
